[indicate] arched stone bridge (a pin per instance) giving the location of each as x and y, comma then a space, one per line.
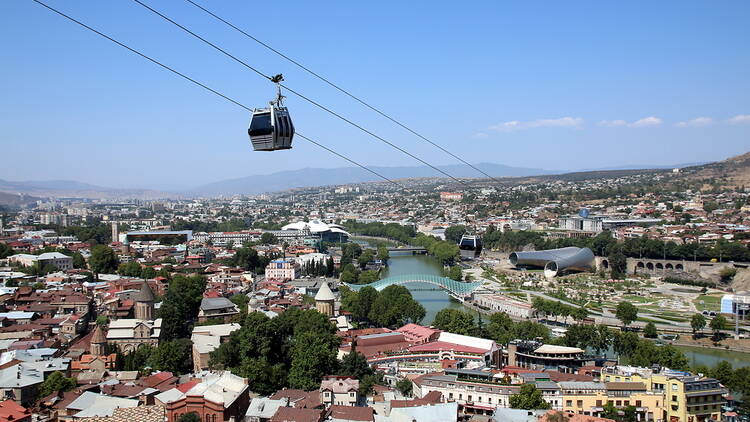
457, 289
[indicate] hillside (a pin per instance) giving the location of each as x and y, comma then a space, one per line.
733, 172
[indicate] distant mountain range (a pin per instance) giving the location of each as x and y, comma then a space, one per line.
308, 177
74, 189
19, 193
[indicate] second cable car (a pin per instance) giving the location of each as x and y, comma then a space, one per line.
271, 128
470, 246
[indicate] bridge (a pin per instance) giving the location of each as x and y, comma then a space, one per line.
456, 289
411, 250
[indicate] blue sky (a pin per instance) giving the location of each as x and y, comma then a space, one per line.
555, 85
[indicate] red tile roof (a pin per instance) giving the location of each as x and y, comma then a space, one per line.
11, 411
352, 413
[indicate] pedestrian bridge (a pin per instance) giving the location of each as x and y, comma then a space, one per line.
457, 289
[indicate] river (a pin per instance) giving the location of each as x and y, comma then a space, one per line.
434, 300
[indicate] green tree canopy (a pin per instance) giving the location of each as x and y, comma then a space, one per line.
626, 312
56, 381
697, 322
528, 398
103, 259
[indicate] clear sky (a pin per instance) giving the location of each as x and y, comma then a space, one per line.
543, 84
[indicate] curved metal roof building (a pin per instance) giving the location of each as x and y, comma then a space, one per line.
555, 261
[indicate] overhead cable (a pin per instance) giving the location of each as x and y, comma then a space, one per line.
184, 76
337, 87
311, 101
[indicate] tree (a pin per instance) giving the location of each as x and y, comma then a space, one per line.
312, 359
395, 307
180, 305
174, 356
5, 250
148, 273
189, 417
367, 255
405, 386
268, 239
102, 260
649, 331
697, 323
247, 258
454, 233
56, 381
354, 364
455, 321
718, 323
383, 254
102, 320
455, 273
617, 263
78, 260
130, 269
626, 312
528, 398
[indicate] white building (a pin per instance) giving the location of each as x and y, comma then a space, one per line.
502, 303
58, 260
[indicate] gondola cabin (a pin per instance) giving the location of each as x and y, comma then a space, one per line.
271, 129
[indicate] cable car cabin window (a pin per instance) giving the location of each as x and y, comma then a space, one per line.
467, 244
261, 125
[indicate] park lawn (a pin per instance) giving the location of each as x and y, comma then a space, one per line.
708, 303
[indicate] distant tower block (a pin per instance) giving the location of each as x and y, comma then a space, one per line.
324, 300
115, 232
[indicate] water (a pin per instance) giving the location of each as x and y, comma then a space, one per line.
434, 299
711, 357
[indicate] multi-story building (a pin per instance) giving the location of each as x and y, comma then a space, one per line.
589, 398
685, 397
475, 391
56, 259
341, 391
282, 269
219, 397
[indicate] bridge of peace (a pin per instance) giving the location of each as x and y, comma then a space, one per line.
456, 289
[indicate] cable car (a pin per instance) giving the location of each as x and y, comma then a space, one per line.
470, 246
271, 128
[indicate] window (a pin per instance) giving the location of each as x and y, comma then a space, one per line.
674, 398
569, 403
489, 400
638, 403
450, 395
579, 403
598, 403
351, 394
627, 403
468, 398
460, 396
